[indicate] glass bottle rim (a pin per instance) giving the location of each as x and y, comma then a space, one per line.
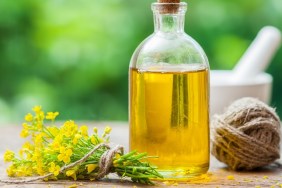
173, 8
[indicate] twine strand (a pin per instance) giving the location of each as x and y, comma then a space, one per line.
106, 161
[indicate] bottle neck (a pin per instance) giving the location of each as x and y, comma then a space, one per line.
169, 23
169, 17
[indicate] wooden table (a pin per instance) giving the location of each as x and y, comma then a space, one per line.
218, 176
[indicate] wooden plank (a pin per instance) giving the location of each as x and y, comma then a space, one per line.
218, 176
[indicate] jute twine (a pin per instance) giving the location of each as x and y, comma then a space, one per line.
105, 164
247, 135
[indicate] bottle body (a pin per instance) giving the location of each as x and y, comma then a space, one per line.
169, 104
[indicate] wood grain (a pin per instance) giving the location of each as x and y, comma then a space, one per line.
218, 175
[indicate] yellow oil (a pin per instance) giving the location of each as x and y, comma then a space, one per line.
169, 118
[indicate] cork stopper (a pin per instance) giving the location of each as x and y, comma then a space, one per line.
168, 1
168, 9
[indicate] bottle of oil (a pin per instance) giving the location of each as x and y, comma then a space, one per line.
169, 97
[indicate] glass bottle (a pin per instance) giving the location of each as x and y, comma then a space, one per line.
169, 97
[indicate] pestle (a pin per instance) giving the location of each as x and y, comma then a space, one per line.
258, 56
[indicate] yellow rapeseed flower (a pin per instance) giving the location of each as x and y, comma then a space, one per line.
25, 126
73, 186
28, 117
84, 130
53, 130
11, 171
115, 162
76, 138
37, 109
91, 167
39, 125
71, 173
9, 156
65, 155
26, 149
117, 156
39, 167
27, 146
38, 139
94, 140
108, 130
56, 144
21, 153
55, 169
39, 117
52, 115
230, 177
24, 133
28, 171
95, 130
69, 128
36, 155
23, 171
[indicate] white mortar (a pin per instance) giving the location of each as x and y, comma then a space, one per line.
224, 90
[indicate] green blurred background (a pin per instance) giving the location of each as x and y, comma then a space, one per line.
73, 56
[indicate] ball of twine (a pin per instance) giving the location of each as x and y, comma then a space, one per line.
247, 135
